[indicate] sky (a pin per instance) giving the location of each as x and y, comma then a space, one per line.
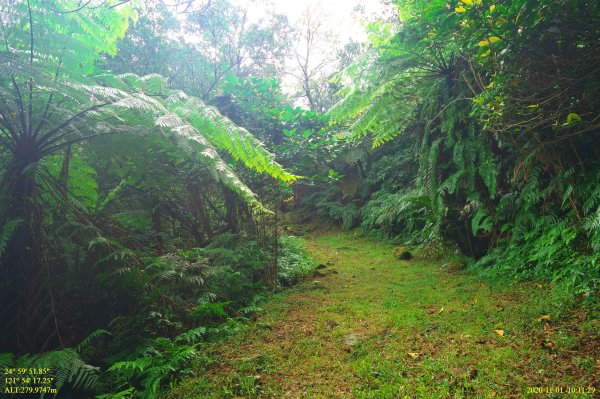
338, 13
340, 17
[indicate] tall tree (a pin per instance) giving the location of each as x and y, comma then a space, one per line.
313, 57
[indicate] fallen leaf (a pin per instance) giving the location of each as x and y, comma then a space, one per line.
414, 355
544, 317
500, 332
441, 310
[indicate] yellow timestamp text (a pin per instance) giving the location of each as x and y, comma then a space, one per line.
561, 389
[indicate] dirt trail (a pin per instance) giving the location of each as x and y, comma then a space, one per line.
370, 326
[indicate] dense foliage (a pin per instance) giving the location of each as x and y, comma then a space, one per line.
491, 111
126, 197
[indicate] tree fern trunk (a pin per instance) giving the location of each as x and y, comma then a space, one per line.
27, 314
231, 208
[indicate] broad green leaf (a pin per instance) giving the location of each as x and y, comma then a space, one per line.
573, 118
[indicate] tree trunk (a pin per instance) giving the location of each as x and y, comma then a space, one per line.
231, 209
199, 208
27, 315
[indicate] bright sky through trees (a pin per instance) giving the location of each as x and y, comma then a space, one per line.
339, 14
343, 20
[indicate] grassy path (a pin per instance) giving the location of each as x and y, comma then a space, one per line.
375, 327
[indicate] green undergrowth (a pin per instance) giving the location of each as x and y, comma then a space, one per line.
188, 300
367, 325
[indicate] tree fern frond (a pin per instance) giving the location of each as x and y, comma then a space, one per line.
226, 135
6, 359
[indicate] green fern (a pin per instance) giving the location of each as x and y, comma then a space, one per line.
75, 102
85, 343
481, 221
6, 360
65, 365
192, 336
160, 360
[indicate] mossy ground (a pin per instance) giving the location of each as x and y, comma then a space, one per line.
419, 332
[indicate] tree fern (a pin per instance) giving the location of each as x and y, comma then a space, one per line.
72, 101
383, 110
85, 343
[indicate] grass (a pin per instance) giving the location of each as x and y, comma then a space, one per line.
416, 330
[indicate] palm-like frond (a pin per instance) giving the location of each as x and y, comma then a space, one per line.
372, 104
59, 98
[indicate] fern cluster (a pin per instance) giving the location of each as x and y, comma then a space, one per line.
496, 130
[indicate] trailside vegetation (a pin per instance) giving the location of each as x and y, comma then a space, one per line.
128, 234
484, 120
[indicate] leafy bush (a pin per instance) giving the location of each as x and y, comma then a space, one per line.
293, 261
327, 205
404, 213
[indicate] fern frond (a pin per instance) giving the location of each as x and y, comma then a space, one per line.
6, 359
192, 336
69, 368
88, 340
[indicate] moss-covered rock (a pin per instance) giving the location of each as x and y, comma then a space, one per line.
403, 253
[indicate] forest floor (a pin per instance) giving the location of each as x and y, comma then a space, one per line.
367, 325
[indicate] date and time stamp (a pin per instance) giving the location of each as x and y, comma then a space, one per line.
570, 390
